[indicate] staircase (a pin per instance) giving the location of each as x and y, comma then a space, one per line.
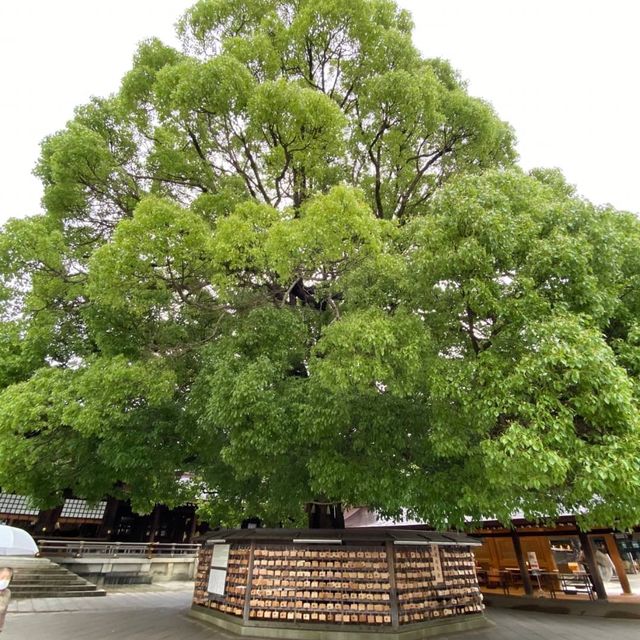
41, 578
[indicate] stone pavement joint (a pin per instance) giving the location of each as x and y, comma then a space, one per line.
163, 616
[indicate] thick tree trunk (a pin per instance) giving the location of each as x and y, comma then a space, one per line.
106, 529
155, 523
47, 520
325, 515
194, 527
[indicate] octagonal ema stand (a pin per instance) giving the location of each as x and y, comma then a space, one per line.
315, 584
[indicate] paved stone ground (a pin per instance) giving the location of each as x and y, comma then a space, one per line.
138, 615
614, 589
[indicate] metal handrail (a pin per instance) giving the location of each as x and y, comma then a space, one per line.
80, 548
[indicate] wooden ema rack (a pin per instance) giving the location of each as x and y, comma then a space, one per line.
436, 584
347, 585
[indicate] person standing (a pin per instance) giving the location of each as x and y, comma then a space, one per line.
6, 574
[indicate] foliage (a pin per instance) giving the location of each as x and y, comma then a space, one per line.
294, 261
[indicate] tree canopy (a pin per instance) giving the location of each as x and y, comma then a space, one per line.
296, 261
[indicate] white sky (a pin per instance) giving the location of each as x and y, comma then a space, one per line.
564, 73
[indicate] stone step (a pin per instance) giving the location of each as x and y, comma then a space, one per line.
22, 580
11, 562
45, 577
59, 594
40, 572
25, 571
60, 587
42, 578
40, 583
49, 583
25, 559
28, 570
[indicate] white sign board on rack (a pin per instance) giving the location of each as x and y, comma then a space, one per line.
220, 558
218, 573
217, 580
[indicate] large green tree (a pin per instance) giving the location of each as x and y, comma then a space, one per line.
295, 261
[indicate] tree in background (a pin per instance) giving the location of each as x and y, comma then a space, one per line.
295, 261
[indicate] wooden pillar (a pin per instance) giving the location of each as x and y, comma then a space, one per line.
550, 555
47, 521
393, 598
590, 560
247, 595
524, 570
612, 548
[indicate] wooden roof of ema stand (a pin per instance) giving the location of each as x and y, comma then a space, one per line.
360, 535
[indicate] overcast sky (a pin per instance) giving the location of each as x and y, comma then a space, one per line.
564, 73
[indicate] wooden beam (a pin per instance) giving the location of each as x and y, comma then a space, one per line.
247, 596
524, 570
524, 533
393, 600
590, 559
612, 548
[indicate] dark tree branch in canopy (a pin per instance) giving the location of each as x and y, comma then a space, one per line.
296, 259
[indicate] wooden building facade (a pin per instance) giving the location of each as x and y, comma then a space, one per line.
527, 550
108, 520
